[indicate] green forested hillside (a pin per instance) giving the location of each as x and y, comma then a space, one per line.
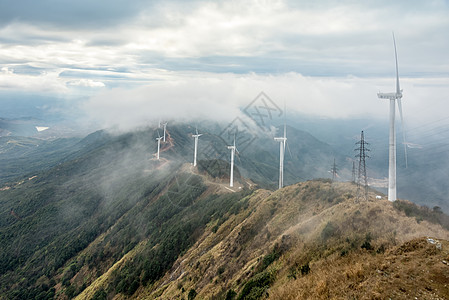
20, 156
111, 187
48, 219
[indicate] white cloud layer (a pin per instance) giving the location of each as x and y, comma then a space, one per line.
314, 38
44, 82
221, 97
86, 83
146, 58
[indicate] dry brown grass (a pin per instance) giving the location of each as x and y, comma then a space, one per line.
339, 268
414, 269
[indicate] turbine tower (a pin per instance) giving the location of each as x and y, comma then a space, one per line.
282, 141
195, 136
165, 126
393, 97
158, 145
231, 177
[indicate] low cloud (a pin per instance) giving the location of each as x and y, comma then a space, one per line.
222, 97
44, 82
86, 83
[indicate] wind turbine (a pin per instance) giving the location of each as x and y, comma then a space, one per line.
195, 136
233, 149
282, 141
393, 97
165, 126
158, 144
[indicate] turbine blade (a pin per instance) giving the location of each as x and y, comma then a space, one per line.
398, 88
237, 155
403, 130
288, 148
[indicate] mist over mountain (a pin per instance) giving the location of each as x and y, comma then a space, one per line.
107, 219
423, 181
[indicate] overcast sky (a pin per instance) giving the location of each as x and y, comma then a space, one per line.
124, 62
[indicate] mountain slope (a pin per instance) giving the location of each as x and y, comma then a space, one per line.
110, 221
21, 156
277, 238
280, 233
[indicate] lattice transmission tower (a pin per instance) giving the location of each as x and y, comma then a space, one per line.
361, 178
334, 171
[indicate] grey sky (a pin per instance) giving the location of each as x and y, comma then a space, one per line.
320, 56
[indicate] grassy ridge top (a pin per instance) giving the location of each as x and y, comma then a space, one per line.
292, 244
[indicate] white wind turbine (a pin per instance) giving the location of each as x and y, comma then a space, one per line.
233, 149
195, 136
158, 145
393, 97
282, 141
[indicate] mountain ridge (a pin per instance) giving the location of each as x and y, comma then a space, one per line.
111, 221
242, 246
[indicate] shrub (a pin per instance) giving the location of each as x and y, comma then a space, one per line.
221, 270
328, 231
230, 295
256, 286
305, 269
269, 258
381, 249
70, 291
367, 243
100, 295
192, 294
133, 288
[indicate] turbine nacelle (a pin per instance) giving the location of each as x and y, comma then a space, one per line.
390, 96
233, 147
280, 139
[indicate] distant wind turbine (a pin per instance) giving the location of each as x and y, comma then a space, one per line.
282, 141
233, 150
393, 97
158, 144
195, 136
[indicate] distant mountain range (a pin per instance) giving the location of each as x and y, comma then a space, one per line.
310, 153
